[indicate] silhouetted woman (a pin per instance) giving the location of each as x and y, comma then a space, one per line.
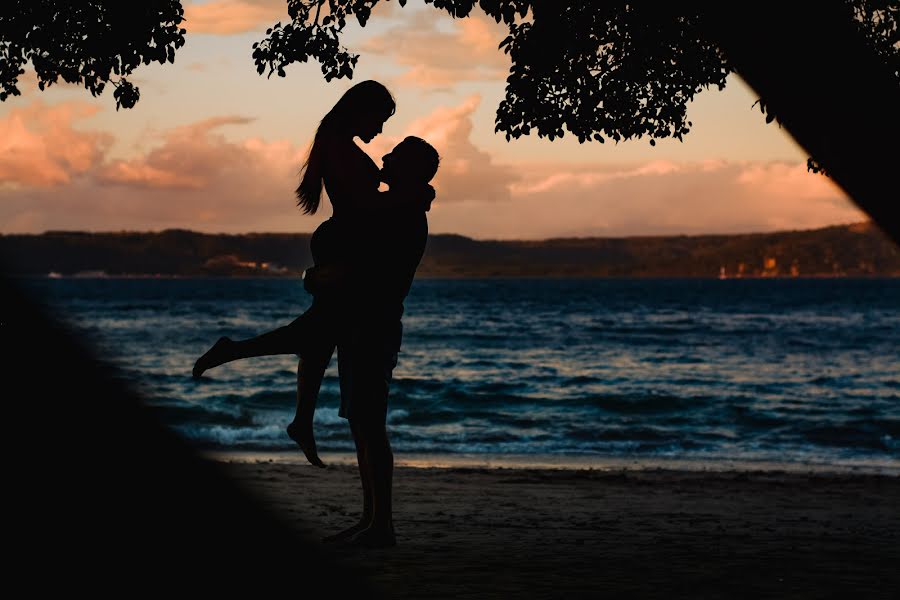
351, 180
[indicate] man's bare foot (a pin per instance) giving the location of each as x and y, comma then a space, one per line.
375, 537
346, 534
303, 436
214, 357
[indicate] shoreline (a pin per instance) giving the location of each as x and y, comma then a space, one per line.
450, 277
557, 462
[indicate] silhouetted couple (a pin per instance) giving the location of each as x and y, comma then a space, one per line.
365, 258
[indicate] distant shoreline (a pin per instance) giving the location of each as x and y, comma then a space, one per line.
858, 250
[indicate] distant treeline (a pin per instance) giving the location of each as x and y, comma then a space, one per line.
846, 250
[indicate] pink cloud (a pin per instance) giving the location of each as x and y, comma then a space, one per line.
39, 147
191, 177
144, 175
586, 179
466, 173
190, 157
480, 195
788, 179
654, 198
194, 177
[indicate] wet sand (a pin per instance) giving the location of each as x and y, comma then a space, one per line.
547, 533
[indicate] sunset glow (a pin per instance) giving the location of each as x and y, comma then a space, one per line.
213, 147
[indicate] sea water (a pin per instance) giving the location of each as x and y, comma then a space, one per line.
783, 370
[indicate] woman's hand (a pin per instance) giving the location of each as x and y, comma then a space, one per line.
324, 279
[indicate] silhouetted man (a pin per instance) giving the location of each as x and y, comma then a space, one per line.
387, 250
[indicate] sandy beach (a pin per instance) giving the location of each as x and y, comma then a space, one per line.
470, 532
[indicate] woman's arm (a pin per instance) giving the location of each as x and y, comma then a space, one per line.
351, 180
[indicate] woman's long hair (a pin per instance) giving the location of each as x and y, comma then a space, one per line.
364, 98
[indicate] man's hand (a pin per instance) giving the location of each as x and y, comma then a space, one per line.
428, 197
419, 196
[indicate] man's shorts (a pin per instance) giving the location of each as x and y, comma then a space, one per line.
365, 370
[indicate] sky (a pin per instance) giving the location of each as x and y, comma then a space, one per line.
212, 146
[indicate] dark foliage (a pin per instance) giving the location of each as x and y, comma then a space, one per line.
599, 70
828, 72
611, 69
614, 69
92, 42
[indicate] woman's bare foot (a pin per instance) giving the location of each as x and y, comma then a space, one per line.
346, 534
303, 435
375, 537
214, 357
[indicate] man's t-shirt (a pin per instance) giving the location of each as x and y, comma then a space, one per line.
386, 254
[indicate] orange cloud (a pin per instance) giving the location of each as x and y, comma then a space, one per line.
439, 52
39, 147
228, 17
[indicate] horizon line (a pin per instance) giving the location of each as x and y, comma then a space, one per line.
866, 224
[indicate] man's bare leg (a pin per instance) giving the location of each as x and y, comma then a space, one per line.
310, 373
365, 520
380, 466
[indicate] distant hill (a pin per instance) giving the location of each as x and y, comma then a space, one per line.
845, 250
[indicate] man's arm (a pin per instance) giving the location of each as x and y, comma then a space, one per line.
391, 203
384, 255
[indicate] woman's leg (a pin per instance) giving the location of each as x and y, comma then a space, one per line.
290, 339
310, 372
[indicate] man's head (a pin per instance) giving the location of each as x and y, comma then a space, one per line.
412, 162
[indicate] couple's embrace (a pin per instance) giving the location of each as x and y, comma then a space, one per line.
365, 257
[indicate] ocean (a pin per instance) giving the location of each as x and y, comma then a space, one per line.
787, 371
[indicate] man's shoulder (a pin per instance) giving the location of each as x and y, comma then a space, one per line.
417, 226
